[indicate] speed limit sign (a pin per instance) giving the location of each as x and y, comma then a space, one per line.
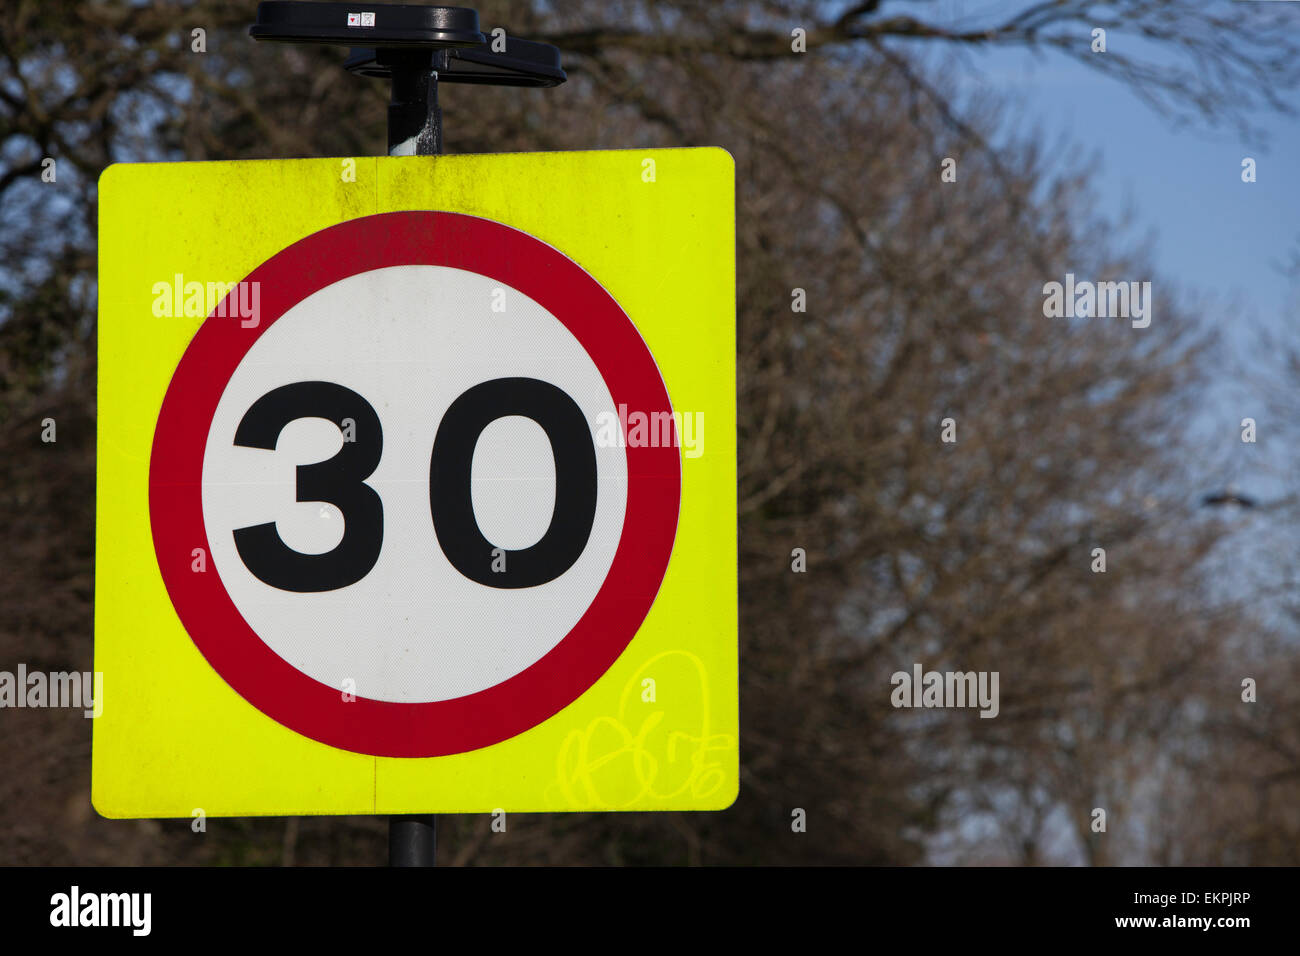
417, 485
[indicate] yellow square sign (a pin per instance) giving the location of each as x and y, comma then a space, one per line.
417, 485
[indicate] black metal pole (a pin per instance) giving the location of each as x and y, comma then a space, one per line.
412, 840
414, 129
415, 48
414, 119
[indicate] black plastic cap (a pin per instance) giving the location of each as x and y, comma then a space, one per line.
363, 23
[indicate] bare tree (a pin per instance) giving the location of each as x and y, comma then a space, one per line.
922, 301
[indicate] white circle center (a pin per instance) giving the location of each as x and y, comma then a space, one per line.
410, 340
513, 482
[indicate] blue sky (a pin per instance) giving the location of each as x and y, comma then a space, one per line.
1214, 237
1214, 233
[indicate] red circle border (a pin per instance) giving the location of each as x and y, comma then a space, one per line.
486, 717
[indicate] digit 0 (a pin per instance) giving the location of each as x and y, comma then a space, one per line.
451, 501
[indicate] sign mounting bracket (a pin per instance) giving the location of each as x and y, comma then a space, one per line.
415, 47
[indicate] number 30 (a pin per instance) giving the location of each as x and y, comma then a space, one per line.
341, 481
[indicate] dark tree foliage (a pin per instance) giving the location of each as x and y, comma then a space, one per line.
923, 302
